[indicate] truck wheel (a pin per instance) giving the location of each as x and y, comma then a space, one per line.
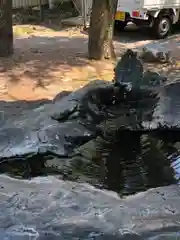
161, 27
119, 25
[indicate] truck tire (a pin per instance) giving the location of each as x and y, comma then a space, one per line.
119, 25
162, 27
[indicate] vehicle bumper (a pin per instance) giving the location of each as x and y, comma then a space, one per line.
129, 15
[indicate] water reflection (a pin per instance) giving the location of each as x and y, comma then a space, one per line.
136, 161
145, 161
127, 163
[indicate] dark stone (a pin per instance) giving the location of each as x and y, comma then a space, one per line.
153, 102
129, 70
61, 95
53, 127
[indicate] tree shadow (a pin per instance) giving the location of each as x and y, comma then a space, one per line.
40, 58
62, 58
56, 61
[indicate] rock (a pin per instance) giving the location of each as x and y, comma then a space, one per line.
153, 79
149, 95
62, 167
61, 95
155, 107
166, 111
155, 54
51, 209
61, 138
129, 70
53, 127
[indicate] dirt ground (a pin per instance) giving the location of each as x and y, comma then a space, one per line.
47, 61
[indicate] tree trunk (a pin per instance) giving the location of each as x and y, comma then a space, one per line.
6, 31
101, 30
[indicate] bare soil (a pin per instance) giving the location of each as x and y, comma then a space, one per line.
47, 61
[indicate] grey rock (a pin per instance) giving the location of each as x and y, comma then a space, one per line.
61, 95
53, 127
153, 79
155, 54
48, 208
166, 111
17, 142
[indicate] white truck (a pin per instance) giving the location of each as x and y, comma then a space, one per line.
159, 15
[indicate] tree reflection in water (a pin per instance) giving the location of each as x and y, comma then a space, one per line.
141, 161
127, 163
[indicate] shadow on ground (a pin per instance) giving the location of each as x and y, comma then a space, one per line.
46, 55
59, 60
40, 61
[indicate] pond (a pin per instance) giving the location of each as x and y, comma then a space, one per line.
129, 163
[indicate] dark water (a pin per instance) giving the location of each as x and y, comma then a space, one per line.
136, 162
145, 161
127, 163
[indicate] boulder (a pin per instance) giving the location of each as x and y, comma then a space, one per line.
151, 99
156, 53
48, 208
53, 127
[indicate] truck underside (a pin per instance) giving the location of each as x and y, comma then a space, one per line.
159, 15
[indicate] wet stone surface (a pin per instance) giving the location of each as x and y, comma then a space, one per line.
120, 136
